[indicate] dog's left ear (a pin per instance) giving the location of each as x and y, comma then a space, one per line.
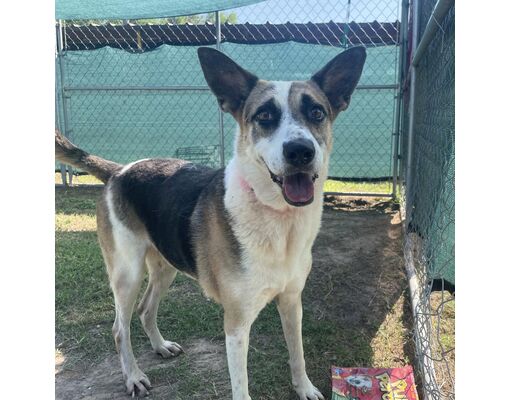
229, 82
339, 77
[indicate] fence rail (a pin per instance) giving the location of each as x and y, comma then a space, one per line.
144, 37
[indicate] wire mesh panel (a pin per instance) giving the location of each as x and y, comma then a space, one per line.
124, 104
430, 204
131, 89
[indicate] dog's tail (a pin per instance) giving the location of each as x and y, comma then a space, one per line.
68, 153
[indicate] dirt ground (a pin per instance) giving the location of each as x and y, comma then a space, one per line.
355, 314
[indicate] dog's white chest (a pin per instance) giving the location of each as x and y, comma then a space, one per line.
276, 247
275, 244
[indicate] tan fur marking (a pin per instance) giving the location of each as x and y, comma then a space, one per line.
262, 92
322, 132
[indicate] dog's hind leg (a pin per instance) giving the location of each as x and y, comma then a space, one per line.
161, 276
124, 254
125, 279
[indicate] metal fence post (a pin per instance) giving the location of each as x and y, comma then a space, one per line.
400, 95
412, 97
60, 51
417, 290
403, 88
220, 117
429, 248
440, 10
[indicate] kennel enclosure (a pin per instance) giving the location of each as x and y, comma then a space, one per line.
129, 86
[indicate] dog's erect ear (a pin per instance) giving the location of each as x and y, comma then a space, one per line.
229, 82
339, 77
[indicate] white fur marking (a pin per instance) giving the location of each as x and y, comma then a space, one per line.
271, 148
127, 166
237, 353
128, 245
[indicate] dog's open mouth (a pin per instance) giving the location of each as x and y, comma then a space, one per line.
298, 188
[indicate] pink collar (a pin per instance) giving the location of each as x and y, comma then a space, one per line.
245, 185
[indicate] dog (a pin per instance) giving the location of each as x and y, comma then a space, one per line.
245, 232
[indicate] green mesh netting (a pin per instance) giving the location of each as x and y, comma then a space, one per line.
134, 9
125, 125
431, 198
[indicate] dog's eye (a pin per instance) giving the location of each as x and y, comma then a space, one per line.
265, 117
316, 114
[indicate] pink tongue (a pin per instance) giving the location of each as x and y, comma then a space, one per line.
298, 187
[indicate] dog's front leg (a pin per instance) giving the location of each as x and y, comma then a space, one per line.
237, 337
291, 313
237, 355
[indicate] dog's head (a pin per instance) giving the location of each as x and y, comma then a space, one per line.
285, 133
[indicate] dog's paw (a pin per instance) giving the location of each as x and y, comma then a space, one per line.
169, 349
307, 391
138, 384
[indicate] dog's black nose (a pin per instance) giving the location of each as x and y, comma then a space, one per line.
299, 152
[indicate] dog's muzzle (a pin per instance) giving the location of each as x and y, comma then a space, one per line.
297, 188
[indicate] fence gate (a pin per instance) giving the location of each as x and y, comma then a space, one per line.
131, 89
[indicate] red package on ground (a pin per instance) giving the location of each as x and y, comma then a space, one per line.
373, 383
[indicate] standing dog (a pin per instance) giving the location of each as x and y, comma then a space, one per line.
244, 232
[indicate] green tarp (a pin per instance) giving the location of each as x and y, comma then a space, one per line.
137, 9
126, 125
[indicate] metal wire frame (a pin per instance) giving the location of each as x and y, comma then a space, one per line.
60, 48
358, 34
65, 123
435, 370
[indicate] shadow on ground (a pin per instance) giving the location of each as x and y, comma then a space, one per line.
355, 314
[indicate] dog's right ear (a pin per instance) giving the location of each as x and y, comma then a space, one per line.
230, 83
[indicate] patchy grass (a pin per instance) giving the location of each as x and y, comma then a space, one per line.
392, 331
355, 312
442, 307
79, 179
357, 187
446, 309
329, 185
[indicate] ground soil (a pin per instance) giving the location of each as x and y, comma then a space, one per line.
356, 280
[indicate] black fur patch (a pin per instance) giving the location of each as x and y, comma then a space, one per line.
165, 201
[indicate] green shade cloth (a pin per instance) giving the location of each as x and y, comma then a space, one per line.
136, 9
125, 126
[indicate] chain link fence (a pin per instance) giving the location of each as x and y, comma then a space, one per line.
131, 89
429, 191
